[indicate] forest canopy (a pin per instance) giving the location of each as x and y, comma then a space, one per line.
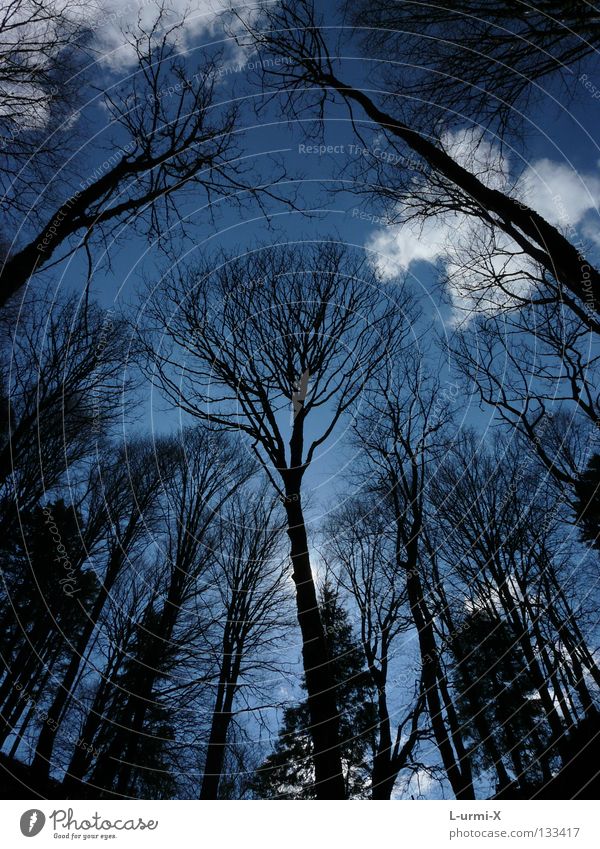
299, 456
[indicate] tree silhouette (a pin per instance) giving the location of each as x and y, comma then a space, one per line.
288, 772
486, 60
229, 342
496, 701
309, 76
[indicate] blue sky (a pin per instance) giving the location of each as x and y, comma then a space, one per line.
559, 150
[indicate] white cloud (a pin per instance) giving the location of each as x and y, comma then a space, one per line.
399, 247
453, 240
113, 24
202, 19
479, 156
558, 193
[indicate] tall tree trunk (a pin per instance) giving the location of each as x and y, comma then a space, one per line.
82, 758
324, 717
460, 780
45, 746
456, 737
30, 662
118, 762
461, 786
215, 755
384, 779
31, 713
383, 774
522, 636
27, 657
484, 732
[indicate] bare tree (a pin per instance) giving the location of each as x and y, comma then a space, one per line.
43, 52
484, 60
402, 433
103, 686
62, 368
47, 592
537, 367
241, 340
365, 559
504, 541
122, 508
428, 180
175, 617
171, 133
250, 573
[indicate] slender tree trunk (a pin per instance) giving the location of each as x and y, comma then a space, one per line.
576, 646
461, 786
523, 638
21, 731
45, 746
119, 761
215, 755
551, 667
82, 758
25, 660
460, 780
487, 741
579, 640
324, 717
28, 716
464, 759
585, 697
383, 774
29, 666
537, 676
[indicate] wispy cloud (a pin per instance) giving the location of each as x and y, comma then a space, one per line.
465, 249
